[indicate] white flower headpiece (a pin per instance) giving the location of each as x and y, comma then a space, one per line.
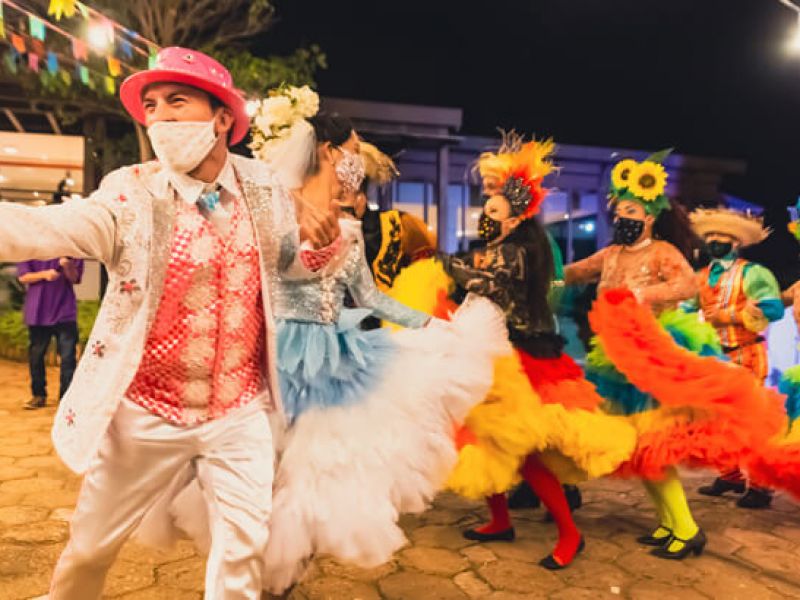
281, 135
277, 114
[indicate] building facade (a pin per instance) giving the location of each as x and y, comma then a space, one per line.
437, 180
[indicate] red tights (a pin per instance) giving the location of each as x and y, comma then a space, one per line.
550, 492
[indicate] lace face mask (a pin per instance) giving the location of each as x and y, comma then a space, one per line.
350, 171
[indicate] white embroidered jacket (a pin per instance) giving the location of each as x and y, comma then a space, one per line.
128, 224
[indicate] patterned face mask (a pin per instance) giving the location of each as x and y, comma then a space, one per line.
350, 171
627, 231
488, 228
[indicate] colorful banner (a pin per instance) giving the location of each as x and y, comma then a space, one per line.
83, 74
10, 60
33, 62
2, 24
18, 42
125, 49
36, 28
59, 8
111, 86
79, 50
52, 62
113, 66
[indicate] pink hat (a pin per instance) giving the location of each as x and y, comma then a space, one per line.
189, 67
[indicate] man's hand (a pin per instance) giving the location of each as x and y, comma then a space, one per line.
320, 229
64, 261
50, 275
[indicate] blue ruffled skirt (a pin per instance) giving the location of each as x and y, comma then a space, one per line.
326, 365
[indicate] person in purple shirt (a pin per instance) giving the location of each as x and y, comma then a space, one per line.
51, 310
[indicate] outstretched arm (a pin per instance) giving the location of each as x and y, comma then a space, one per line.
81, 228
366, 294
587, 270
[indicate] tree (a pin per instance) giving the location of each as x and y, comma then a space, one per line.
222, 28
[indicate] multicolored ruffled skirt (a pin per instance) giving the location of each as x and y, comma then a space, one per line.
535, 405
689, 407
777, 464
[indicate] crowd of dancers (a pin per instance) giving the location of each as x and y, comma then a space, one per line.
243, 385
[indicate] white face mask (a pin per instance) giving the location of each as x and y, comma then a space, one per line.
182, 145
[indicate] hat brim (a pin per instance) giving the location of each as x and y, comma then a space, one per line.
130, 94
747, 231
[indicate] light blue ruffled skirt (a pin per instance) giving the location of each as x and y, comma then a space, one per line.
324, 365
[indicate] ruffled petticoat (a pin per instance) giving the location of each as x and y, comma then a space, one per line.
689, 407
372, 421
777, 464
535, 405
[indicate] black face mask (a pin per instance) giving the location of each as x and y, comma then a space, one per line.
349, 210
719, 249
627, 231
488, 228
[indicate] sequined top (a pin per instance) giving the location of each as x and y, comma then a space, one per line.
657, 273
503, 279
204, 352
320, 299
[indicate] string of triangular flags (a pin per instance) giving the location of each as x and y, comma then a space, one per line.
30, 43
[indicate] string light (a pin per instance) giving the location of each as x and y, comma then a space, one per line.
793, 44
101, 35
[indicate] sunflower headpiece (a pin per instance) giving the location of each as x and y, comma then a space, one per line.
643, 182
518, 169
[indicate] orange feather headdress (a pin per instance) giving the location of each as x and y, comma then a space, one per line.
518, 169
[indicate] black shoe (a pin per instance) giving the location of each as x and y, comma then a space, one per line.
720, 486
523, 496
36, 402
755, 498
695, 546
551, 564
574, 501
507, 535
657, 542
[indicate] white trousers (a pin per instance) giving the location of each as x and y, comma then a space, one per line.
141, 454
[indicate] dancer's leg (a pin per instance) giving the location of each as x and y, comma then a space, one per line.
549, 490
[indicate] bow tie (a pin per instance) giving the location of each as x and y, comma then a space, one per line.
209, 200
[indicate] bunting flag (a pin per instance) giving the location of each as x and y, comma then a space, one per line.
37, 47
111, 86
84, 10
83, 74
10, 60
33, 62
65, 77
79, 50
2, 24
18, 42
152, 59
36, 27
59, 8
125, 48
113, 66
52, 62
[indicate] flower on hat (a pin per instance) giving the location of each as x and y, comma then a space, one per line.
620, 176
647, 180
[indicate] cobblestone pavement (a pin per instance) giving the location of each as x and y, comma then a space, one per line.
751, 555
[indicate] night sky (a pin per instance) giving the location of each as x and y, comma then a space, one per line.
709, 77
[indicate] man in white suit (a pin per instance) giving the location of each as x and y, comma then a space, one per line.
180, 366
